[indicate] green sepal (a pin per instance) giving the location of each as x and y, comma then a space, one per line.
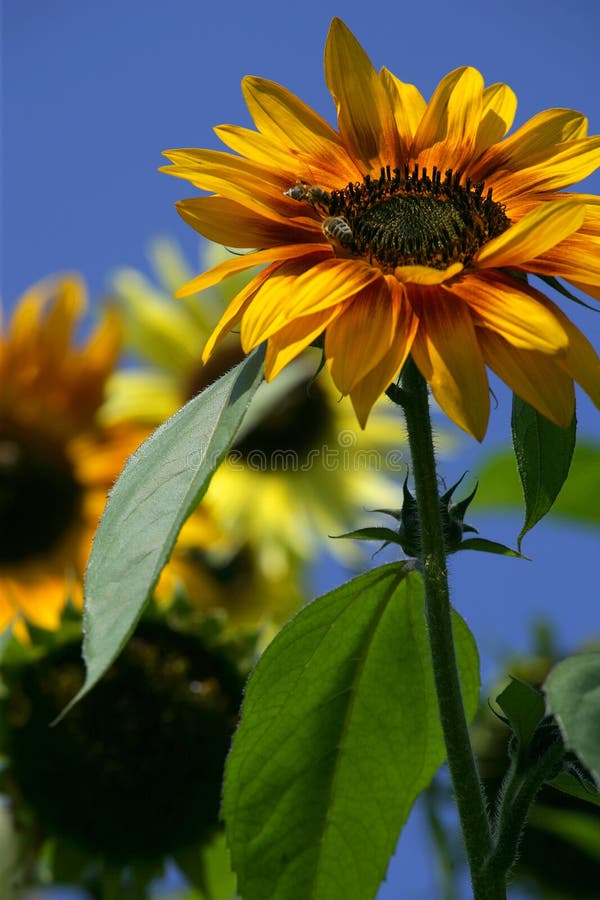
373, 533
485, 546
557, 285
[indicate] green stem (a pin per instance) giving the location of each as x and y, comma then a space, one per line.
461, 761
517, 799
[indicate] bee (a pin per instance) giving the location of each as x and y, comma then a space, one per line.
310, 193
337, 231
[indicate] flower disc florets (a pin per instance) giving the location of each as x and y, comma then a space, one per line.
408, 218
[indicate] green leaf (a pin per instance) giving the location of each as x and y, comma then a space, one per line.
543, 452
573, 696
485, 546
339, 734
159, 487
524, 708
571, 785
499, 485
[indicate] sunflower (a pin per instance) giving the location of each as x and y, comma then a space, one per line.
409, 230
300, 448
56, 463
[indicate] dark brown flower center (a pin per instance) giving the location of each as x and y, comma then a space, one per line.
39, 500
295, 426
408, 218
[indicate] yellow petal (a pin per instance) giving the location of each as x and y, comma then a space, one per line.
580, 361
534, 377
551, 170
498, 113
366, 392
538, 231
237, 308
540, 134
227, 222
408, 106
577, 258
292, 167
452, 116
247, 261
448, 356
426, 275
514, 310
283, 118
361, 336
293, 293
365, 117
287, 343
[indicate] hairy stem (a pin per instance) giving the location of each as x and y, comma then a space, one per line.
487, 885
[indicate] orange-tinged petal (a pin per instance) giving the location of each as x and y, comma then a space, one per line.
297, 291
287, 343
283, 118
408, 106
580, 361
258, 147
538, 231
365, 116
577, 258
540, 134
448, 356
592, 289
498, 113
248, 261
452, 116
227, 222
367, 391
550, 170
514, 310
236, 309
235, 185
536, 378
361, 336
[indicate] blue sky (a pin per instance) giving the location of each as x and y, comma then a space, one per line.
94, 91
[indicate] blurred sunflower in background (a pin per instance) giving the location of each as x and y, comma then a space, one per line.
55, 466
300, 468
57, 462
409, 230
133, 775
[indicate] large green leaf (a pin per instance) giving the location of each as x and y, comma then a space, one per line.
160, 485
339, 734
543, 452
573, 695
579, 498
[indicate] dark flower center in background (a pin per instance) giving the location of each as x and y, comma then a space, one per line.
134, 771
39, 500
298, 423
